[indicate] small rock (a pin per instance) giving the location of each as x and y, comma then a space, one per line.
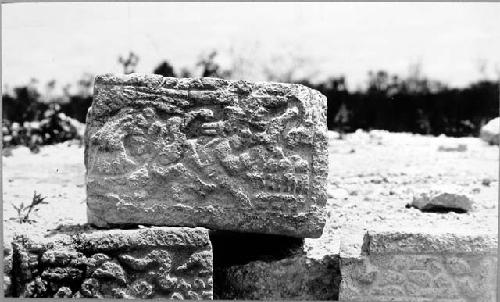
378, 136
490, 132
452, 148
333, 135
442, 200
338, 193
359, 138
486, 182
379, 180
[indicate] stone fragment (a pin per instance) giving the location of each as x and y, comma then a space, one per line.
292, 278
452, 148
490, 132
275, 268
115, 264
226, 155
334, 135
393, 266
442, 199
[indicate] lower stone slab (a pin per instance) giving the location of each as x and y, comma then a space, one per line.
292, 278
166, 262
265, 267
420, 267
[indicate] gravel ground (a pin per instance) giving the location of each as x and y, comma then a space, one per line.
57, 173
372, 176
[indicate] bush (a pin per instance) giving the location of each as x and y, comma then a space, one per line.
56, 127
453, 112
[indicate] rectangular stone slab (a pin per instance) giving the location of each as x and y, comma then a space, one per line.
161, 262
421, 267
226, 155
272, 267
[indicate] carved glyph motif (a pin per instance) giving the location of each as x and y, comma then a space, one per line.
135, 264
187, 144
416, 276
210, 145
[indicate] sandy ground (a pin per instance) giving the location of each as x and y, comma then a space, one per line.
57, 173
372, 176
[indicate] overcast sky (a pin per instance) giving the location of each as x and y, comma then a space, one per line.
63, 40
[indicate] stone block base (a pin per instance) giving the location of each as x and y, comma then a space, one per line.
420, 267
265, 267
292, 278
175, 263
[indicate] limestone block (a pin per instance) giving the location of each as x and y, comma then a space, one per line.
295, 277
421, 267
270, 268
442, 198
226, 155
490, 132
452, 148
162, 262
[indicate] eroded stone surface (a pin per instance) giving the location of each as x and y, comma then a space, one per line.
421, 267
161, 262
275, 268
296, 277
490, 132
442, 198
249, 157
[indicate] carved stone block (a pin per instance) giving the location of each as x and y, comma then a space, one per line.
226, 155
163, 262
421, 267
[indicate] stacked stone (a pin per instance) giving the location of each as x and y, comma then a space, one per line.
248, 163
182, 156
401, 266
159, 262
237, 156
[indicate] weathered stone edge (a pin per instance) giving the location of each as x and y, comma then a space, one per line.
415, 243
313, 100
157, 81
109, 240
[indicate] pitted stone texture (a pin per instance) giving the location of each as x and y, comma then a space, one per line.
296, 277
164, 262
273, 268
227, 155
421, 267
442, 198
